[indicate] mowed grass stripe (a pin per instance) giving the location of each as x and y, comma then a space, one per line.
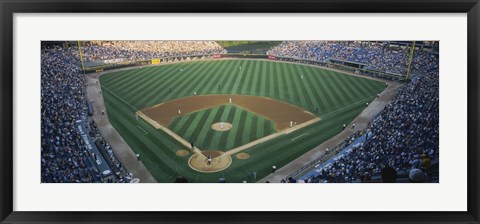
286, 91
323, 100
233, 119
152, 82
260, 128
198, 122
188, 123
365, 85
273, 89
176, 81
210, 133
299, 86
305, 87
227, 85
179, 123
212, 86
116, 78
134, 89
204, 124
279, 74
289, 95
148, 74
293, 90
313, 96
228, 77
205, 135
123, 77
220, 137
371, 86
329, 92
352, 86
171, 78
253, 128
264, 74
240, 77
340, 96
344, 94
268, 127
145, 77
232, 134
223, 76
256, 78
247, 88
364, 88
244, 74
237, 80
241, 129
209, 78
133, 82
179, 88
320, 102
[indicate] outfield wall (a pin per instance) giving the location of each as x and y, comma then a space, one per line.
344, 66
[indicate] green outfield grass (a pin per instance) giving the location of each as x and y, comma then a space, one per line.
339, 97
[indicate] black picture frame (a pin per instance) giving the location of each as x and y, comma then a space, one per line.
9, 7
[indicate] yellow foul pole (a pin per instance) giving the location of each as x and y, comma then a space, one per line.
81, 55
410, 60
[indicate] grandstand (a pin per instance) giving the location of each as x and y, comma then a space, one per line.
370, 111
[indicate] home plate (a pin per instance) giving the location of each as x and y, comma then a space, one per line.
294, 139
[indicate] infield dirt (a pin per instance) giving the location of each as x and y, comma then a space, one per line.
279, 112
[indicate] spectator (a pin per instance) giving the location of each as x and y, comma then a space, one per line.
389, 175
416, 176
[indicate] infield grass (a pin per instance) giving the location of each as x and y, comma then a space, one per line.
246, 127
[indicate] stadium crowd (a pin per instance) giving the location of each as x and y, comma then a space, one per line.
65, 157
403, 138
375, 56
145, 50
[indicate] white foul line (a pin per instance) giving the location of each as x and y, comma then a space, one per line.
293, 139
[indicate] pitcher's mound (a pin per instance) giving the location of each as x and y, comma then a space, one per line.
242, 155
219, 161
181, 152
221, 126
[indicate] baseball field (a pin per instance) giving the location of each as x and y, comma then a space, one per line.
242, 116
